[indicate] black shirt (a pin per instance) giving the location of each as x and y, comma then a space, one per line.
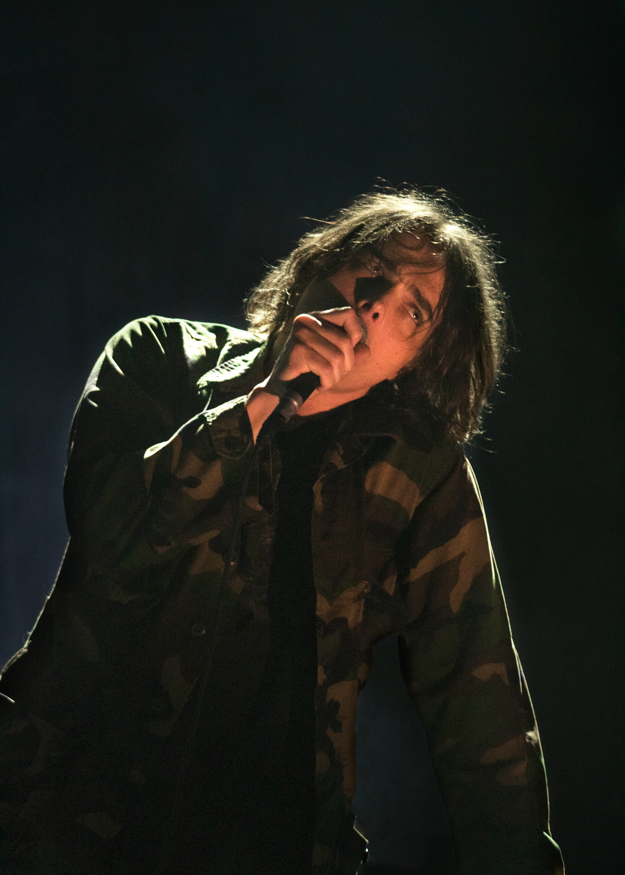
254, 814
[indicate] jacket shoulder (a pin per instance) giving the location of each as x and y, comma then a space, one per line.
163, 332
148, 348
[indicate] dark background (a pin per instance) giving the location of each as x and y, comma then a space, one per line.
156, 156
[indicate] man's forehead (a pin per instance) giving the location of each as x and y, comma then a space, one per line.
409, 250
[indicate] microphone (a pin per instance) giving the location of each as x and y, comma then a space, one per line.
298, 390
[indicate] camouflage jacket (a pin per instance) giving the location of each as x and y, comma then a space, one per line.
158, 448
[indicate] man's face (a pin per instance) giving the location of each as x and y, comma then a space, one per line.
397, 299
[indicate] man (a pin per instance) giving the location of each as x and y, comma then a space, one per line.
187, 700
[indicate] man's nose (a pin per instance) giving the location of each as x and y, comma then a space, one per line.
372, 310
368, 294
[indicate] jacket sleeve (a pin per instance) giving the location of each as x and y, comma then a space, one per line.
462, 670
141, 485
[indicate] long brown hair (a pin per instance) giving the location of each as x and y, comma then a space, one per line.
459, 363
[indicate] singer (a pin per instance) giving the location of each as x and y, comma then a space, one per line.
186, 702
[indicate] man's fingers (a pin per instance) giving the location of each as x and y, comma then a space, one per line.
337, 325
312, 349
305, 359
347, 319
322, 345
326, 342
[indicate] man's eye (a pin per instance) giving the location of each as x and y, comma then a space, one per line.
416, 315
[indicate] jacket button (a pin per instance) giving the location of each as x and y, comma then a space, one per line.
197, 630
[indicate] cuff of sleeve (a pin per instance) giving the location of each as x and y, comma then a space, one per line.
230, 428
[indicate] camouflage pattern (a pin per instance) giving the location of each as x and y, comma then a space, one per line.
158, 447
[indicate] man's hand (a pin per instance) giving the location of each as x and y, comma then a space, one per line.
328, 343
